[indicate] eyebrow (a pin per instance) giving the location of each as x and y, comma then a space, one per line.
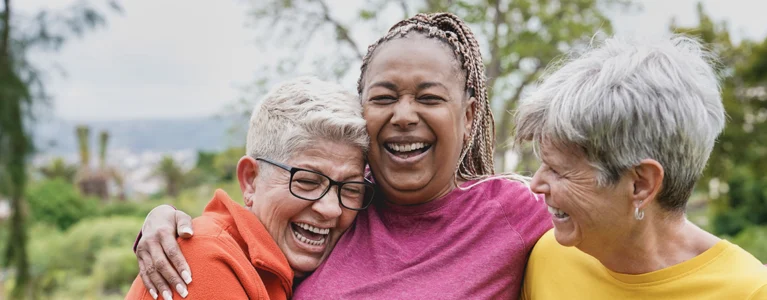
312, 167
421, 86
385, 84
428, 84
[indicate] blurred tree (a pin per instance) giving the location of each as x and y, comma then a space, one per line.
225, 163
171, 173
21, 93
519, 37
58, 203
735, 176
58, 168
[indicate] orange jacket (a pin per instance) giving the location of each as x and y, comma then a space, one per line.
231, 255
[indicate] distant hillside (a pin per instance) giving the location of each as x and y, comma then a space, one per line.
210, 134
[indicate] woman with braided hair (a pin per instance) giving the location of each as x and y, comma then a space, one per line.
442, 224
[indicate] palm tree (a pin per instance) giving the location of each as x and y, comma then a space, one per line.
171, 173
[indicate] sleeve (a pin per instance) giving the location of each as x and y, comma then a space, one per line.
761, 293
529, 212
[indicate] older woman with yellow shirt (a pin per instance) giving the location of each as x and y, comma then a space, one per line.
624, 132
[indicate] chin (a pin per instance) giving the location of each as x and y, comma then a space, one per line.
568, 238
303, 266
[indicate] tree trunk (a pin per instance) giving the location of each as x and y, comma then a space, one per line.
16, 254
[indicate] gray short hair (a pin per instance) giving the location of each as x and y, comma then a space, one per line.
300, 112
627, 100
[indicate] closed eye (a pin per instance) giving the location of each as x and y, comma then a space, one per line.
431, 99
383, 99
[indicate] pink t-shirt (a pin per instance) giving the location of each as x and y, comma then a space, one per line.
468, 244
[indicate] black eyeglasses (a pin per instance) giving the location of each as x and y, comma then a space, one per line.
312, 186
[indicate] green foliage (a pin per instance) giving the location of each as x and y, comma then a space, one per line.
225, 163
56, 202
754, 240
745, 204
738, 156
58, 168
114, 270
77, 261
128, 209
171, 173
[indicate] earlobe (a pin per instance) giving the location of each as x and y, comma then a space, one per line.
648, 179
247, 171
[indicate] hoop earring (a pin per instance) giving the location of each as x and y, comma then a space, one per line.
638, 214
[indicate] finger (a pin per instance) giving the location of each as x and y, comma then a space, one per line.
176, 257
159, 282
184, 224
167, 272
144, 257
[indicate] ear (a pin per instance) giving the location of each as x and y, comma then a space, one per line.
470, 109
648, 179
247, 171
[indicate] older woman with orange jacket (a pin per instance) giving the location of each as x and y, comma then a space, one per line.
302, 184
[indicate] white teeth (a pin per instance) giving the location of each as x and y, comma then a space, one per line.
557, 212
406, 147
313, 229
303, 239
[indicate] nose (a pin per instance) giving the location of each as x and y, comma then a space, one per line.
539, 184
405, 115
328, 206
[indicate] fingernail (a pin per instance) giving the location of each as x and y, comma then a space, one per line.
181, 290
166, 295
186, 276
153, 293
187, 230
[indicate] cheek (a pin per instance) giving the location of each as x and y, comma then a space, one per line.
346, 219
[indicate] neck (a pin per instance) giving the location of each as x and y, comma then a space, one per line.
654, 244
423, 196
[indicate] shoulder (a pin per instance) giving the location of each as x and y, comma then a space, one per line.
748, 269
223, 263
525, 211
211, 242
546, 246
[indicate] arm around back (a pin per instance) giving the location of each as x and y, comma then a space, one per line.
224, 272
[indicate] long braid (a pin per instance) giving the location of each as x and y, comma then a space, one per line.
476, 160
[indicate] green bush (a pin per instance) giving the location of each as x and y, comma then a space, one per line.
82, 242
114, 270
754, 240
58, 203
745, 204
126, 208
63, 264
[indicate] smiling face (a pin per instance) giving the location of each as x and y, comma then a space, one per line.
305, 231
584, 214
418, 116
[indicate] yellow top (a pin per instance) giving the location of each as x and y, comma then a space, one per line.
723, 272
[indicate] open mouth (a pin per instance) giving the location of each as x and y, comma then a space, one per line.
558, 213
309, 234
407, 150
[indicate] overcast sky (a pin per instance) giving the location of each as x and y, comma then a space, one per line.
191, 58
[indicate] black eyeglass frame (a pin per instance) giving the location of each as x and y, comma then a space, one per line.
340, 184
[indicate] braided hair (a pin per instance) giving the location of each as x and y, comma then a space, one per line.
476, 160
